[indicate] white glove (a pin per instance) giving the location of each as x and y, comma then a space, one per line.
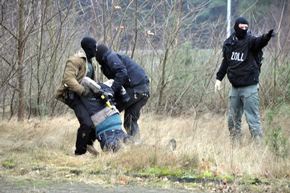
217, 85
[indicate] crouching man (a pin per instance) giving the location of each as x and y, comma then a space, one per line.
106, 118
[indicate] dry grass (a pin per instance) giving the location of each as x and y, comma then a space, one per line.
202, 146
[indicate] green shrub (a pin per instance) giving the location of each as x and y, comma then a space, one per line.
275, 138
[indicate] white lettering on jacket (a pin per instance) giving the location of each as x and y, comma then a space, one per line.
237, 56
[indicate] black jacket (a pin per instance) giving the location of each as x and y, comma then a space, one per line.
238, 59
95, 103
125, 71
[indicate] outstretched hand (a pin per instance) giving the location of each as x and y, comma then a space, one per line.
271, 33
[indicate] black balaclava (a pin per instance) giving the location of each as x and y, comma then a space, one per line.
240, 33
101, 50
89, 46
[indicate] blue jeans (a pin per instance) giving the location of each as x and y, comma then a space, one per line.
244, 100
113, 140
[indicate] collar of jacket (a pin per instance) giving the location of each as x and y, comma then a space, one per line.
81, 53
232, 40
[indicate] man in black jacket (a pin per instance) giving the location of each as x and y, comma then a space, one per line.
127, 73
240, 64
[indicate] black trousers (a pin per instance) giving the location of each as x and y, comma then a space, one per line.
86, 134
132, 111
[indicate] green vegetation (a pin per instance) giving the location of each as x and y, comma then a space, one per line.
277, 138
165, 171
8, 164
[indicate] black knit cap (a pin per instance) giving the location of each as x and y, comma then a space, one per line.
240, 33
89, 46
101, 50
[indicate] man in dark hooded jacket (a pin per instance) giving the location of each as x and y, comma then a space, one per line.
127, 73
243, 70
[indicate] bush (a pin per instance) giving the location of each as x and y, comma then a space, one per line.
276, 138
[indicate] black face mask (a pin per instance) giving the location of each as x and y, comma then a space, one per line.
89, 46
101, 50
240, 33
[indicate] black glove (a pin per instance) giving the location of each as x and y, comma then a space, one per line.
124, 95
271, 33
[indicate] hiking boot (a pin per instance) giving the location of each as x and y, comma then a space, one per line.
92, 150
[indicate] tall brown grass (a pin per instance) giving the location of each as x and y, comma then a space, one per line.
202, 145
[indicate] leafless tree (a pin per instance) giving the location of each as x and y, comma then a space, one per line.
44, 34
180, 53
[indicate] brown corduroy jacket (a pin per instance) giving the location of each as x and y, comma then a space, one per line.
75, 70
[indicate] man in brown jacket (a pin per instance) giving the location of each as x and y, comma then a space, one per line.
77, 67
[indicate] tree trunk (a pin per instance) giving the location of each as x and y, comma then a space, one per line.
20, 70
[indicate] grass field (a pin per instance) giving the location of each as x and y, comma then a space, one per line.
204, 158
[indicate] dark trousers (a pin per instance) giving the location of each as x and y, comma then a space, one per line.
132, 111
86, 134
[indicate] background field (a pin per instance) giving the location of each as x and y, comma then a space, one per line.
204, 158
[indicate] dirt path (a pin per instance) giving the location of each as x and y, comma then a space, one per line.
73, 187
